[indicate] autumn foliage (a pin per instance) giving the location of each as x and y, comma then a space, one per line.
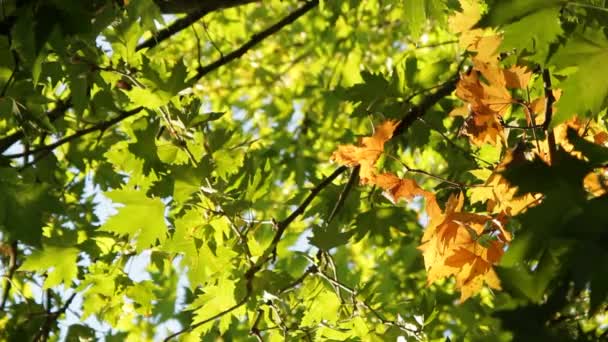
462, 244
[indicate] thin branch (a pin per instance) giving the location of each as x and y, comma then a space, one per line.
183, 23
255, 331
101, 126
550, 100
310, 270
211, 39
216, 316
456, 146
354, 175
56, 113
198, 47
418, 111
281, 226
12, 252
366, 305
580, 4
45, 330
255, 39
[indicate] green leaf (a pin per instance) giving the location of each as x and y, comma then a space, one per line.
323, 307
149, 98
25, 208
216, 299
415, 14
329, 237
533, 34
379, 221
228, 161
58, 262
507, 12
141, 218
583, 91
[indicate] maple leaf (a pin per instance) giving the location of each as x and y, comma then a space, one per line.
498, 194
464, 21
484, 42
452, 245
517, 77
368, 151
399, 188
488, 101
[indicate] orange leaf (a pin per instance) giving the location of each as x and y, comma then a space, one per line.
368, 151
399, 188
450, 246
517, 77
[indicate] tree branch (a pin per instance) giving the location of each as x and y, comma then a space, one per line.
418, 111
255, 39
45, 330
354, 176
183, 23
56, 113
101, 126
550, 100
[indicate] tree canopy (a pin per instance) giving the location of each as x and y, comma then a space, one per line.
419, 170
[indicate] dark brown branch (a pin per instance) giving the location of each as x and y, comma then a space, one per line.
59, 111
101, 126
255, 39
354, 175
185, 22
255, 331
12, 252
282, 225
51, 318
418, 111
550, 100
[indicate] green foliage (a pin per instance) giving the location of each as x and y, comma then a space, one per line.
169, 176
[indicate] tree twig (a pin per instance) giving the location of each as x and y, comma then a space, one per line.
54, 114
255, 39
418, 111
255, 331
45, 330
354, 175
550, 100
101, 126
281, 226
183, 23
